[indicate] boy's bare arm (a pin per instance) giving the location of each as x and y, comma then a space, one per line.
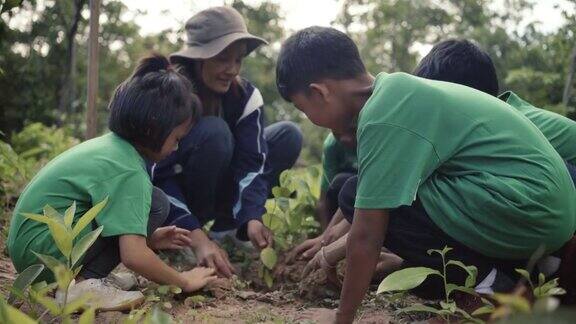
364, 244
138, 257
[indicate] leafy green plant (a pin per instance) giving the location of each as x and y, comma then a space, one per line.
29, 150
410, 278
15, 172
543, 288
42, 143
290, 214
544, 298
64, 232
508, 305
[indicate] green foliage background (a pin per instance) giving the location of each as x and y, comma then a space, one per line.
43, 51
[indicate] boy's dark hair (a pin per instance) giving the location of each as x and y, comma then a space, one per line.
316, 53
462, 62
153, 101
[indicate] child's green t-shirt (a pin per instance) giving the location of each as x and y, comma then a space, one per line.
485, 174
336, 158
559, 130
106, 166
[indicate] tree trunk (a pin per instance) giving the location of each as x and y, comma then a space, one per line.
569, 85
68, 88
91, 113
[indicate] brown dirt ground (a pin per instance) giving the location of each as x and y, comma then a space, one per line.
292, 299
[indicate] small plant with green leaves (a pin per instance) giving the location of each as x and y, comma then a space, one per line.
64, 233
543, 289
410, 278
290, 214
544, 299
508, 305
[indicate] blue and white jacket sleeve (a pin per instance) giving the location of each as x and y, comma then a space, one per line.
249, 158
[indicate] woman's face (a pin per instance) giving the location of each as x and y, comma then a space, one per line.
219, 71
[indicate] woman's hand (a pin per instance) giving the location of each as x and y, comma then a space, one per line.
209, 254
197, 278
260, 235
169, 237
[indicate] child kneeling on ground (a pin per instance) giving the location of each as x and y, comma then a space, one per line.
440, 164
149, 113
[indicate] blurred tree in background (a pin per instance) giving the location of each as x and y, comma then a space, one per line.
536, 65
43, 50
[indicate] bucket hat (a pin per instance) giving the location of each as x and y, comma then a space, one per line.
210, 31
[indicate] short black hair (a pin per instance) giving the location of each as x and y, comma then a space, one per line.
460, 61
153, 101
316, 53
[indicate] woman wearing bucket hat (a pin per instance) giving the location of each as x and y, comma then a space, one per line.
225, 167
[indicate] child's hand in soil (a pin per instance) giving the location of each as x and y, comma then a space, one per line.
305, 250
197, 278
319, 262
169, 237
260, 235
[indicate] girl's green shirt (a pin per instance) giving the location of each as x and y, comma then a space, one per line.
106, 166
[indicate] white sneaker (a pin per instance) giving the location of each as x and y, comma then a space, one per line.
123, 280
103, 295
223, 236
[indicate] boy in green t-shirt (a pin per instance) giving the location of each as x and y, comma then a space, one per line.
462, 62
440, 164
149, 113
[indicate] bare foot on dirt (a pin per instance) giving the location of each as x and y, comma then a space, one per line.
388, 262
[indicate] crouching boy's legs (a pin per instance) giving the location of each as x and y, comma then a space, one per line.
411, 233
